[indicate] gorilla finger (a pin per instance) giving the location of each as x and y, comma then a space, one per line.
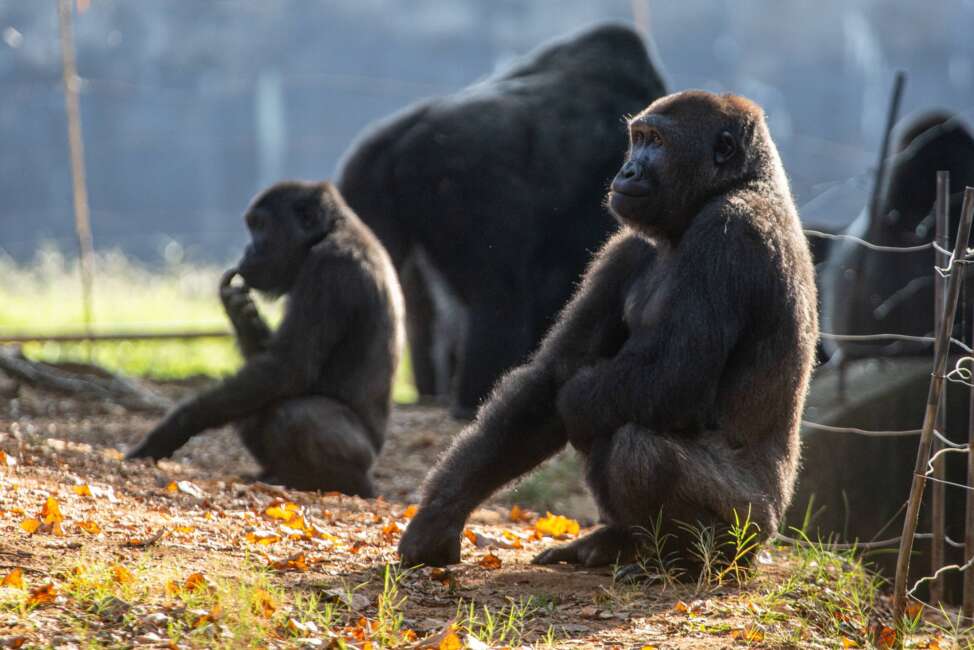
228, 278
555, 555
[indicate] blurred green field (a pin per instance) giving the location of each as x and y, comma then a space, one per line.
44, 297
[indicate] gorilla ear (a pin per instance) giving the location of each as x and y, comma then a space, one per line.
725, 148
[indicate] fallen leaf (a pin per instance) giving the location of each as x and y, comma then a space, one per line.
490, 561
410, 511
90, 527
186, 487
172, 588
7, 460
748, 634
913, 609
886, 637
14, 579
30, 525
297, 628
263, 537
849, 643
390, 532
208, 617
557, 526
296, 562
470, 535
263, 603
519, 515
43, 595
83, 490
196, 581
121, 575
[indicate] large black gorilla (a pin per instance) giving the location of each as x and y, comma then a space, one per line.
679, 369
312, 400
489, 201
870, 292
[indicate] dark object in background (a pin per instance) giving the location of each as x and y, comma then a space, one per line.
872, 292
680, 367
489, 201
312, 400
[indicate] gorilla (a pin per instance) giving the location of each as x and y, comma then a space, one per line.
312, 399
679, 368
871, 292
488, 201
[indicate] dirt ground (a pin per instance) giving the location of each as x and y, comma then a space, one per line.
194, 513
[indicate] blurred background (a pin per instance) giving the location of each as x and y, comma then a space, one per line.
188, 108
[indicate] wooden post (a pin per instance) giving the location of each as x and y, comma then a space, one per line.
967, 609
941, 347
937, 492
82, 223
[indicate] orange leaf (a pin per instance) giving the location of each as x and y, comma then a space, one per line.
51, 512
450, 641
886, 637
490, 561
121, 575
263, 537
13, 579
913, 609
296, 562
849, 643
410, 511
518, 514
90, 527
390, 532
195, 582
681, 607
264, 604
83, 490
469, 534
30, 525
172, 588
557, 526
514, 540
211, 616
42, 595
749, 633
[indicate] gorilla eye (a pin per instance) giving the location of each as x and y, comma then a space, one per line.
654, 138
725, 148
637, 137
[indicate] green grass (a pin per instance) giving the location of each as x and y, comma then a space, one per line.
45, 298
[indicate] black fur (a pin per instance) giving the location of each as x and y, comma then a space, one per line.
496, 190
312, 400
871, 292
679, 369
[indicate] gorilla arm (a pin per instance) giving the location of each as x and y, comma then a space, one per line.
667, 375
519, 426
288, 367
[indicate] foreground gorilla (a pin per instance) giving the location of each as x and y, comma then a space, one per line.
489, 201
679, 369
871, 292
312, 400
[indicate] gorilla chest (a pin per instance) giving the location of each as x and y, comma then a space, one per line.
647, 299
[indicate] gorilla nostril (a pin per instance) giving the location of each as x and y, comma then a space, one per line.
629, 171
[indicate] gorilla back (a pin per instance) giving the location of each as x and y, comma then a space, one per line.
489, 201
312, 399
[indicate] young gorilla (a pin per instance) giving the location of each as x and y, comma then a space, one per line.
680, 367
312, 400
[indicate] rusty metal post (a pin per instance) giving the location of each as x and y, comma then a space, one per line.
941, 347
937, 492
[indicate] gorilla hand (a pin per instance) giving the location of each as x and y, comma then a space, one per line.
252, 331
164, 439
578, 406
429, 540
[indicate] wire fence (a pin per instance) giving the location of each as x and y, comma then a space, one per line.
929, 464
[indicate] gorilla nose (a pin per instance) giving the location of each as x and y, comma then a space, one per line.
631, 180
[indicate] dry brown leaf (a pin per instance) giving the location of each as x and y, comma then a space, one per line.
43, 595
557, 526
196, 581
490, 561
14, 579
913, 609
263, 537
390, 532
886, 638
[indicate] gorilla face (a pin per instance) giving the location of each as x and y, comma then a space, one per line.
284, 223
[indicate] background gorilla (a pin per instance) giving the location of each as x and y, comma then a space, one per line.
312, 400
680, 367
871, 292
489, 201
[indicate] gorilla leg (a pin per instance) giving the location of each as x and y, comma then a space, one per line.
419, 329
312, 443
636, 475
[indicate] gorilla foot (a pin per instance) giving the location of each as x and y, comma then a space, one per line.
605, 546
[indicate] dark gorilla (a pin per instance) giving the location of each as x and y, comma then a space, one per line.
489, 201
312, 400
679, 369
871, 292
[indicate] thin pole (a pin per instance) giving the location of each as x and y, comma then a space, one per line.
82, 222
941, 347
937, 492
967, 610
894, 109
